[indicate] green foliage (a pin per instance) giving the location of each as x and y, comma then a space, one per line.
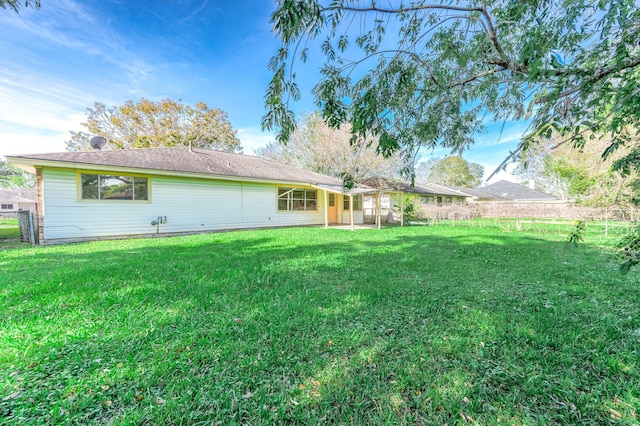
14, 177
628, 251
577, 234
15, 5
568, 171
148, 124
409, 212
451, 171
413, 325
422, 74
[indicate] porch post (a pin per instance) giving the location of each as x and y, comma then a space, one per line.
326, 209
402, 209
378, 209
351, 211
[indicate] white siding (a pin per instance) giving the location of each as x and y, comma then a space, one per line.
358, 217
189, 205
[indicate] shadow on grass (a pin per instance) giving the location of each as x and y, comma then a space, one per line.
402, 325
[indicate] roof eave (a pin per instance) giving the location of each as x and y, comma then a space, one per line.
30, 166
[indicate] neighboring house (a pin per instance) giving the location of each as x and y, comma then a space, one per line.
501, 191
12, 200
392, 203
425, 193
515, 192
471, 194
105, 194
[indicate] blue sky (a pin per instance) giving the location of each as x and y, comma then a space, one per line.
61, 59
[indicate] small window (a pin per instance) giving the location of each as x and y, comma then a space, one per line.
332, 200
6, 206
297, 199
114, 187
357, 202
448, 200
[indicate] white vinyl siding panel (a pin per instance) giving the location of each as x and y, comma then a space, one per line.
358, 217
189, 205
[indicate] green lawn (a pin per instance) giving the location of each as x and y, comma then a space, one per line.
9, 230
415, 325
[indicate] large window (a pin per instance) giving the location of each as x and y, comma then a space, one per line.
112, 187
357, 202
297, 199
6, 206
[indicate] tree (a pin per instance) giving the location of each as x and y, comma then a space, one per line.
317, 147
428, 73
569, 172
452, 171
147, 124
14, 177
17, 4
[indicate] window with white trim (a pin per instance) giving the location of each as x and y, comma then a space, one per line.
114, 187
6, 206
296, 199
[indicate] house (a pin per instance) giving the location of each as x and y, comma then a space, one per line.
506, 190
425, 193
12, 200
107, 194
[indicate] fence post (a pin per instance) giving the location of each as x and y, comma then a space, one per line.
32, 233
606, 222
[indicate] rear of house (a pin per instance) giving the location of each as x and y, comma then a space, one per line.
106, 194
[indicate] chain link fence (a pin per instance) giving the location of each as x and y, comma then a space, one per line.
547, 217
28, 224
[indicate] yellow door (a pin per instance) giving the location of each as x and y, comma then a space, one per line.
332, 210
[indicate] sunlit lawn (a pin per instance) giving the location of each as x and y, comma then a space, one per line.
8, 230
425, 324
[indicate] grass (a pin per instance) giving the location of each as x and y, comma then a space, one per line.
9, 229
414, 325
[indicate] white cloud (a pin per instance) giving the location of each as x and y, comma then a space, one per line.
30, 143
251, 139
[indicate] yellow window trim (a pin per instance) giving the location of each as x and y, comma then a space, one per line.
297, 211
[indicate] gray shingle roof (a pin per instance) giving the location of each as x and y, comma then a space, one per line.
18, 195
477, 193
515, 191
183, 160
426, 189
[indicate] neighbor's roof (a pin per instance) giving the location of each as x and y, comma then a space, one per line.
471, 192
180, 160
398, 185
23, 196
515, 191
